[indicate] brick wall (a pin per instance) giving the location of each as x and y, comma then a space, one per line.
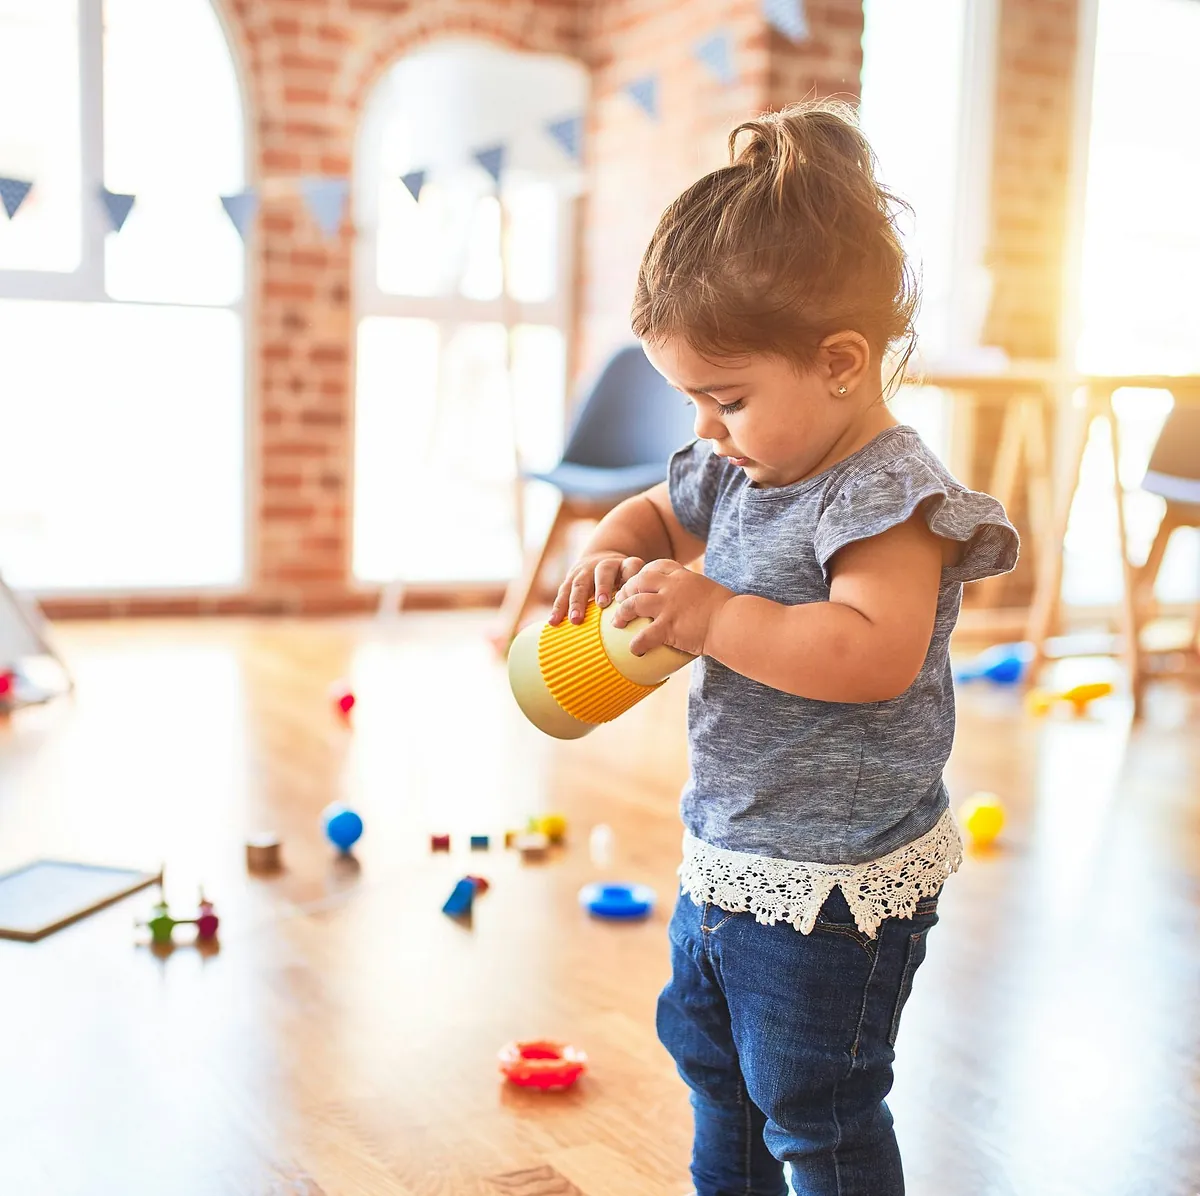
308, 66
636, 166
1033, 136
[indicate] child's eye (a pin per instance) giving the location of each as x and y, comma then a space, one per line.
730, 408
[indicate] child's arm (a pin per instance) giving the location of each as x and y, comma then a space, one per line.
866, 644
641, 528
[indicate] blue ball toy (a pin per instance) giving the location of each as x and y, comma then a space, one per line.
1005, 664
343, 827
617, 901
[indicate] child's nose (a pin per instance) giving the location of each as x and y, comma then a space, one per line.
708, 426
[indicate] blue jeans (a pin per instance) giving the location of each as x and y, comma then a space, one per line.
786, 1041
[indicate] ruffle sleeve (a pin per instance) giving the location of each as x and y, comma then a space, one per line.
871, 502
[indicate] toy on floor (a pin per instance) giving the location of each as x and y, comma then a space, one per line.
571, 678
162, 924
532, 845
342, 697
549, 1066
553, 826
617, 902
1041, 701
343, 827
600, 844
1004, 664
481, 884
459, 903
439, 842
480, 842
263, 853
982, 817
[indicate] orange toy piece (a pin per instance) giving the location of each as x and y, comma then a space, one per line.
549, 1066
1078, 696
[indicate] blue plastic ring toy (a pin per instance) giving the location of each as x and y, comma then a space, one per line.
617, 901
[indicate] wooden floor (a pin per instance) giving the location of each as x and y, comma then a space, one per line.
342, 1040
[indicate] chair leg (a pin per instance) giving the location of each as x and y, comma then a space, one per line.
1147, 575
519, 595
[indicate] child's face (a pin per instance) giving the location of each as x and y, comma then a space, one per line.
776, 423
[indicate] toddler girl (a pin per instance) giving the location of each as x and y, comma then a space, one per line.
835, 546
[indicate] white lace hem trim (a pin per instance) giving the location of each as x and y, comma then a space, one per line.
775, 890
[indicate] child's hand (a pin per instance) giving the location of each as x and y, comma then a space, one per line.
598, 573
681, 603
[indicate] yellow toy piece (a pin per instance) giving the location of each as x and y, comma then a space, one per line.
1041, 701
982, 817
571, 678
553, 826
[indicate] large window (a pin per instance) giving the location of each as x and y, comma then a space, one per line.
122, 401
1139, 306
462, 297
925, 96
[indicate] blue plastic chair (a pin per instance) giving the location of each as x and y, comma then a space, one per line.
628, 425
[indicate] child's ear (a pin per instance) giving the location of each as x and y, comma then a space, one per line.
844, 358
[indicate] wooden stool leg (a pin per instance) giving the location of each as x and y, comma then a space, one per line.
1003, 483
1043, 610
1147, 575
518, 596
1130, 622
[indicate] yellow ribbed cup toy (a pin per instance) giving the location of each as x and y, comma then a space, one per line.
571, 678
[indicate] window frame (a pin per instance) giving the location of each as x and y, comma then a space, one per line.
446, 312
86, 284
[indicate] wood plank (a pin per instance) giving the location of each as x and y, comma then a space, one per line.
343, 1038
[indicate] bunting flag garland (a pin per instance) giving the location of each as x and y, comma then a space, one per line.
716, 53
241, 209
326, 200
569, 134
644, 92
414, 181
788, 17
492, 160
118, 206
12, 194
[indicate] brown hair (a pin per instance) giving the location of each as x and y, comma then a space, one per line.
793, 240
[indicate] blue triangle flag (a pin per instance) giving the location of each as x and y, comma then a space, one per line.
326, 200
415, 182
240, 209
788, 17
716, 52
12, 194
492, 160
118, 207
569, 134
645, 94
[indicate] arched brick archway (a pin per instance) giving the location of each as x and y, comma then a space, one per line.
308, 69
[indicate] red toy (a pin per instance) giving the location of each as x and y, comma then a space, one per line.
548, 1066
8, 683
439, 842
343, 698
480, 883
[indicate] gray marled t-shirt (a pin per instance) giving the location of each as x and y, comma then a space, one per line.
794, 778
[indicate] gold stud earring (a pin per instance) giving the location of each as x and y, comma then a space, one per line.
841, 390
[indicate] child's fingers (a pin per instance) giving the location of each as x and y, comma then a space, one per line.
559, 609
581, 592
649, 637
637, 606
606, 580
631, 566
